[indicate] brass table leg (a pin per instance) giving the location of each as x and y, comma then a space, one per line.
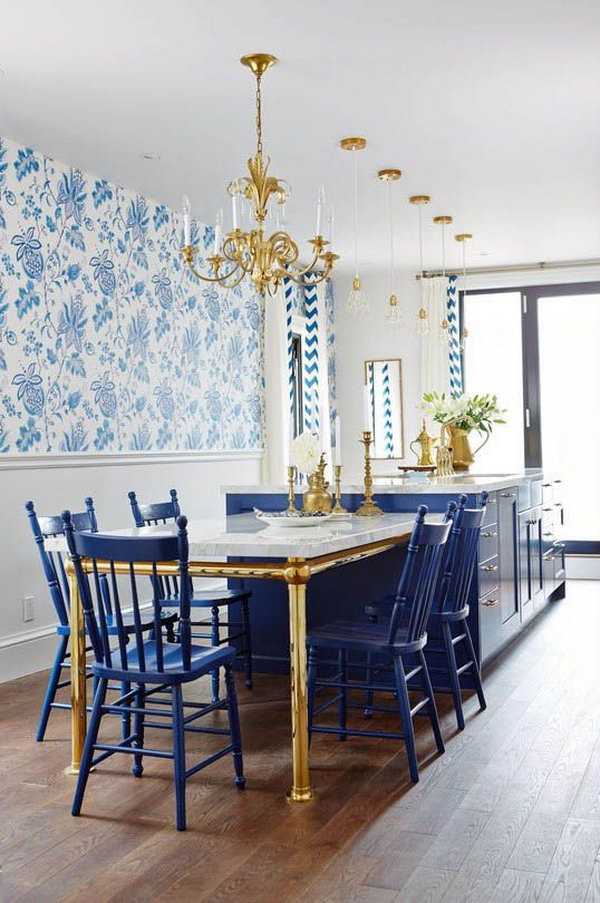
297, 575
78, 682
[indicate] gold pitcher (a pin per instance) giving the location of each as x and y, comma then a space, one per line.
462, 455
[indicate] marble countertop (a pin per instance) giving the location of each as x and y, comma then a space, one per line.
244, 536
392, 485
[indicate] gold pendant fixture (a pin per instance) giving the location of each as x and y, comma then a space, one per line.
422, 320
444, 333
266, 259
393, 316
357, 303
464, 238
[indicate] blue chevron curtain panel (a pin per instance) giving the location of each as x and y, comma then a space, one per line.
454, 359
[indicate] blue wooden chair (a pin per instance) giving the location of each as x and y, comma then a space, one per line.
44, 527
154, 513
450, 608
400, 642
153, 666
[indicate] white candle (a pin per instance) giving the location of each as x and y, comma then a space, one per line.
338, 441
367, 407
235, 209
218, 225
320, 206
330, 224
187, 222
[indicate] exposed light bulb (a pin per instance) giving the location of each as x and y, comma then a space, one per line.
422, 322
358, 302
394, 316
444, 333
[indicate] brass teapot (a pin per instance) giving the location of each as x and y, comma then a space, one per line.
426, 442
316, 499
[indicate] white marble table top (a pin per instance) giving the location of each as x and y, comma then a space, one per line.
393, 485
242, 535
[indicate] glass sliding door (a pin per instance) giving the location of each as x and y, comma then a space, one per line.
569, 379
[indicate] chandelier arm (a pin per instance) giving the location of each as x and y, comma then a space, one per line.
303, 271
218, 279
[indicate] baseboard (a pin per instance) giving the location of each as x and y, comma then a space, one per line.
26, 653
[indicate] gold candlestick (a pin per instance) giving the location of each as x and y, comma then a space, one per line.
291, 508
338, 507
368, 507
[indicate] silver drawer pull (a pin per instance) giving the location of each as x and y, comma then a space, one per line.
488, 534
546, 485
491, 501
558, 504
508, 495
490, 602
558, 481
549, 533
546, 509
489, 567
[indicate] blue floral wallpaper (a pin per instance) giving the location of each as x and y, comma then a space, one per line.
107, 344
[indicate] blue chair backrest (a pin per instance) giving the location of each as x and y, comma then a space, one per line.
115, 555
146, 515
459, 564
416, 588
153, 513
46, 526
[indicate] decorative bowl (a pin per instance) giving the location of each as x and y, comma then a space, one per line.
287, 520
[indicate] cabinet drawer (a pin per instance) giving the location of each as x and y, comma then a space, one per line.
488, 542
488, 576
491, 510
490, 626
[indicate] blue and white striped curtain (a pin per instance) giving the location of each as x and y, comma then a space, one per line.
316, 370
440, 362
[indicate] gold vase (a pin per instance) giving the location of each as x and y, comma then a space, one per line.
462, 456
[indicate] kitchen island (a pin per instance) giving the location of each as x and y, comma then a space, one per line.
520, 565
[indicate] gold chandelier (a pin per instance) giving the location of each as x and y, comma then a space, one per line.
267, 260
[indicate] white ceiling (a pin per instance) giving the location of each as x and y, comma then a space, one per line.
491, 107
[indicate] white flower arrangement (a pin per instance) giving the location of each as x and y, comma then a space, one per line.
306, 452
467, 412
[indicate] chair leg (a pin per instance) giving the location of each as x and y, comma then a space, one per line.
406, 718
88, 746
248, 641
476, 673
138, 729
343, 707
431, 708
234, 727
215, 640
311, 679
53, 681
370, 694
452, 674
179, 756
125, 717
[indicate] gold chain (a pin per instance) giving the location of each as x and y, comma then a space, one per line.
259, 145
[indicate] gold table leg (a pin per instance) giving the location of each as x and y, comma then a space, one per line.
297, 576
78, 682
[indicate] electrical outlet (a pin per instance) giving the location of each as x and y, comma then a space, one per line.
28, 610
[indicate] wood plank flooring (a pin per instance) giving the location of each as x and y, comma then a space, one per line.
511, 812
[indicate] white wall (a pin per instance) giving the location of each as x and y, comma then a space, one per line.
58, 482
361, 339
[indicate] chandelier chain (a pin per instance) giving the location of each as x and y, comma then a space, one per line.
259, 144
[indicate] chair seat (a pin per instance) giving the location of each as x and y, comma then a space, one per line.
128, 623
207, 598
365, 637
204, 659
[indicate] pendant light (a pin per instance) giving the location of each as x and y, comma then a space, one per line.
394, 316
358, 302
464, 238
422, 321
444, 326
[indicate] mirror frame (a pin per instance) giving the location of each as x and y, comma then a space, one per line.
390, 360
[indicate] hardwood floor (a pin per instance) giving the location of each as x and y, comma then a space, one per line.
511, 812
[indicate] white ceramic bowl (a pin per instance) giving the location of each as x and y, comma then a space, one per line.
283, 520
